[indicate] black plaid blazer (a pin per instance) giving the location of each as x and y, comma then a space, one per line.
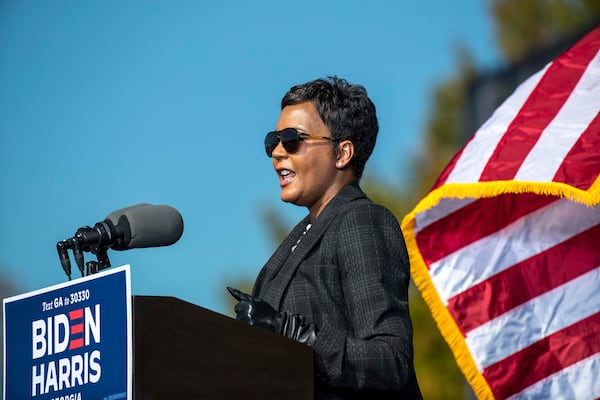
349, 275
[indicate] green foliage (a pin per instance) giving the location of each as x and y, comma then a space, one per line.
445, 129
526, 26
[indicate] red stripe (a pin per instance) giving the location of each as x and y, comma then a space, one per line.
545, 357
75, 329
541, 107
76, 314
526, 280
581, 166
478, 219
75, 344
446, 173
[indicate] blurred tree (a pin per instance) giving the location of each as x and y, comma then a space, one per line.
524, 27
445, 126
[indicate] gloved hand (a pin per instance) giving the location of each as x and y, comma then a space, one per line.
255, 311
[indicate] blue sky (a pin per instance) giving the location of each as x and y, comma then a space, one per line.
106, 104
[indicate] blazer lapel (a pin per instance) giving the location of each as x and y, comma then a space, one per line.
286, 264
277, 260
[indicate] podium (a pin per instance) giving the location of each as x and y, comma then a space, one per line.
183, 351
91, 339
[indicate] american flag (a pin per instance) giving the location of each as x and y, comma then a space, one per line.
505, 248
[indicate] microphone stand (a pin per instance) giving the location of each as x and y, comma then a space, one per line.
86, 239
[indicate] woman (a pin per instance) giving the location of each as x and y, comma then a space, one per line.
339, 281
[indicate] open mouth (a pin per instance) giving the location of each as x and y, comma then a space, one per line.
286, 176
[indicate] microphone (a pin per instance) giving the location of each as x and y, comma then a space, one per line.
145, 225
138, 226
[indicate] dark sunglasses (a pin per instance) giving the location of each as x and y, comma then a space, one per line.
290, 139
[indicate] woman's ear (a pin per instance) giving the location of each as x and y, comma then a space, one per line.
345, 152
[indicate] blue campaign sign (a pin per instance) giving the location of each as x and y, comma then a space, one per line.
70, 341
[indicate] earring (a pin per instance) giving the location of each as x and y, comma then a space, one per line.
339, 165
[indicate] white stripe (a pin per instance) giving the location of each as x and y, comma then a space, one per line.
544, 159
524, 238
564, 130
535, 319
445, 207
480, 148
577, 381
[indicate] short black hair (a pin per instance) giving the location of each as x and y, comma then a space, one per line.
346, 110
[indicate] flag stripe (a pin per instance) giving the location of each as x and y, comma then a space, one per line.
577, 381
452, 165
540, 108
445, 207
581, 166
540, 317
545, 357
442, 238
520, 240
562, 132
474, 156
526, 280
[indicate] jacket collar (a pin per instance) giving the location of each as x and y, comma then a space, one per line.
281, 267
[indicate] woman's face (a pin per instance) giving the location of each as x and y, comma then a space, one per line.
308, 177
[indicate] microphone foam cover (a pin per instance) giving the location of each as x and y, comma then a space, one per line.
116, 215
149, 225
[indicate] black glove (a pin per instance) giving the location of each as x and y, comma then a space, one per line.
255, 311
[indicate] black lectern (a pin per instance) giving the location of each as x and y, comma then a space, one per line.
183, 351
